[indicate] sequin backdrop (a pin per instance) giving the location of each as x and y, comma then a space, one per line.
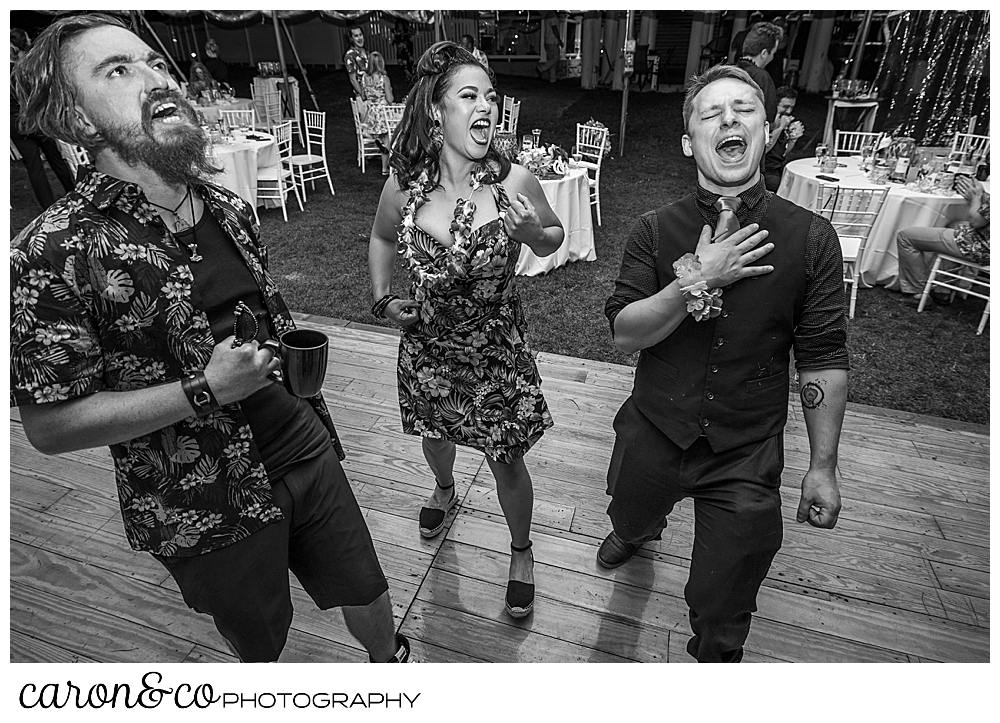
934, 75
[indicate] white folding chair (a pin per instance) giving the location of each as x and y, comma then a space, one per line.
367, 147
290, 110
237, 118
312, 164
977, 284
259, 111
393, 113
964, 143
515, 111
75, 156
275, 182
852, 210
590, 142
272, 110
506, 112
852, 143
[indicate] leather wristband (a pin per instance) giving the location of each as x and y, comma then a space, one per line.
378, 308
199, 394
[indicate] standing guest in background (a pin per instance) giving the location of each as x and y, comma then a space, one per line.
31, 146
776, 68
216, 66
789, 132
707, 412
552, 42
378, 92
466, 373
356, 60
139, 303
469, 44
759, 48
968, 239
402, 41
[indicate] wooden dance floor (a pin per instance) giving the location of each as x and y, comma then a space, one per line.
903, 578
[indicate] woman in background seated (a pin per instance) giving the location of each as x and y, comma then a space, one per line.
200, 80
459, 212
377, 93
969, 239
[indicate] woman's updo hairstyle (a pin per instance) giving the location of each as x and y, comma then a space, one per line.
412, 146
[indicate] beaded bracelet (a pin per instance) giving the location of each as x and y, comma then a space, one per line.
378, 308
199, 394
702, 302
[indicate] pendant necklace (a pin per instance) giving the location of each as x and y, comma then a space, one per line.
181, 224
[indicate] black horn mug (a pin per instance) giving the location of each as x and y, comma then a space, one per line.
303, 354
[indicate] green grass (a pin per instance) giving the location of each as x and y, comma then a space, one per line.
932, 363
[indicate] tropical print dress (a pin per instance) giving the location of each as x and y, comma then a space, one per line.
374, 124
466, 372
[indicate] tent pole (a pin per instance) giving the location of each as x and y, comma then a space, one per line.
628, 82
246, 34
298, 61
163, 49
284, 71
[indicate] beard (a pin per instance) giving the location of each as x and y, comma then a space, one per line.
180, 159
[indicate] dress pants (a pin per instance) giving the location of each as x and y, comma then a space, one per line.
917, 246
737, 529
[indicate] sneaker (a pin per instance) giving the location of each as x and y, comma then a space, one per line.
402, 654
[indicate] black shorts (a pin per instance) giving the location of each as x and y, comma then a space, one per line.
323, 540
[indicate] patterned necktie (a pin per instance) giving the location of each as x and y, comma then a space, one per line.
727, 207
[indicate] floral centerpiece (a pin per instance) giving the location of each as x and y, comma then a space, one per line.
546, 162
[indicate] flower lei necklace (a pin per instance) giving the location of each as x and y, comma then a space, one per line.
457, 254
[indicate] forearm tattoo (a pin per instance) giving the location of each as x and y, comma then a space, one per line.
812, 394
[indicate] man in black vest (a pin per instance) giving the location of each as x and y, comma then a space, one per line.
707, 412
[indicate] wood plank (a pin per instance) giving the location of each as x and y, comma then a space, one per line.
76, 628
25, 648
962, 580
515, 643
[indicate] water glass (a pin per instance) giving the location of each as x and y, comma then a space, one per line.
821, 150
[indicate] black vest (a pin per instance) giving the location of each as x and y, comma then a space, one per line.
727, 377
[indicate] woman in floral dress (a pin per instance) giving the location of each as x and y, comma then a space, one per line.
458, 213
378, 92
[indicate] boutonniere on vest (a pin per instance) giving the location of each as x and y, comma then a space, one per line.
702, 302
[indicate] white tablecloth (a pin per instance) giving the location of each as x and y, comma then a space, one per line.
240, 161
569, 197
902, 208
213, 113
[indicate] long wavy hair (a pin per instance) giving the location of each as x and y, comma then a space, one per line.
43, 85
413, 150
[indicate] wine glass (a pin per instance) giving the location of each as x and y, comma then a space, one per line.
821, 150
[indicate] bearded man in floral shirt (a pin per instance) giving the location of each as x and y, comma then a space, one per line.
128, 296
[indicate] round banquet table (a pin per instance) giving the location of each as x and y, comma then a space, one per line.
213, 112
569, 197
902, 208
240, 160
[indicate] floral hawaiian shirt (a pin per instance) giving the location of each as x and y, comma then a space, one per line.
356, 60
974, 243
102, 300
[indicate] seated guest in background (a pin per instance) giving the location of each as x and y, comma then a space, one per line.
128, 298
31, 146
216, 66
789, 132
469, 44
200, 80
969, 239
356, 60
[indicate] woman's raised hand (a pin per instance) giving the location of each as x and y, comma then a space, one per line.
522, 222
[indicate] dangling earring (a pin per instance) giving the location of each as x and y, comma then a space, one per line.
437, 135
